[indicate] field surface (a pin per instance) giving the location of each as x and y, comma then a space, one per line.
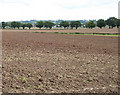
82, 30
55, 63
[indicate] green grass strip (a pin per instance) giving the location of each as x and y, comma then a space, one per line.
76, 33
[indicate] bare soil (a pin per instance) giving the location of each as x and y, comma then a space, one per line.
56, 63
82, 30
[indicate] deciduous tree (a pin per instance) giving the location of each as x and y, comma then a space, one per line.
64, 24
91, 24
111, 22
23, 25
3, 25
15, 24
118, 23
75, 24
101, 23
39, 24
48, 24
29, 25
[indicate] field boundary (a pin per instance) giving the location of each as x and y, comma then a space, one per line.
77, 33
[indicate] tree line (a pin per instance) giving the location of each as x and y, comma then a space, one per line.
15, 24
110, 22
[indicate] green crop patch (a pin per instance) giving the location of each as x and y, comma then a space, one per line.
77, 33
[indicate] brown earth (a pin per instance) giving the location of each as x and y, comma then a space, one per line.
55, 63
82, 30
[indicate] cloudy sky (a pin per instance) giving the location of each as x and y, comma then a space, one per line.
16, 10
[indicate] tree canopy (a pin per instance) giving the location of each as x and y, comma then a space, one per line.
29, 25
48, 24
3, 25
118, 23
23, 25
64, 24
75, 24
15, 24
111, 22
90, 24
101, 23
40, 24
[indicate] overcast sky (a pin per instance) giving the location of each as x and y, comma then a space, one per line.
16, 10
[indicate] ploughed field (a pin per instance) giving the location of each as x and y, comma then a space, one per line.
82, 30
55, 63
